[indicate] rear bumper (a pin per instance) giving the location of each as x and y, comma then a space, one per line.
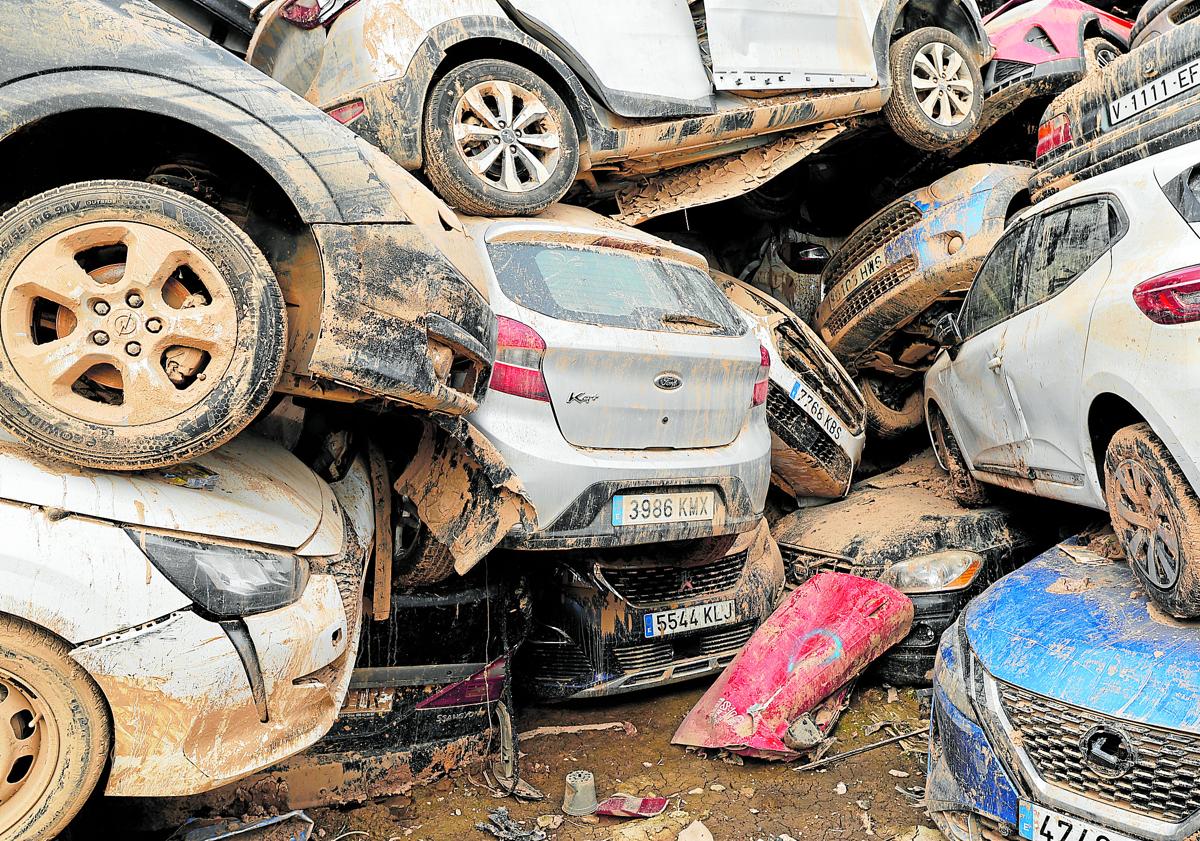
399, 321
589, 639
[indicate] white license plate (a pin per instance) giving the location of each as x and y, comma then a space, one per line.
859, 275
817, 410
667, 622
1166, 86
634, 509
1040, 824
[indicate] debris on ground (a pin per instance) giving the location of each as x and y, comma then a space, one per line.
696, 831
575, 729
579, 798
502, 826
291, 826
622, 805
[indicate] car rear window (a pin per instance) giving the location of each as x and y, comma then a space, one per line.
614, 288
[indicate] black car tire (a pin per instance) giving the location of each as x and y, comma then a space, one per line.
446, 160
903, 415
234, 316
1152, 505
967, 491
58, 724
903, 109
423, 561
1098, 53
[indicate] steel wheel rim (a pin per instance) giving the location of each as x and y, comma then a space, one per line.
507, 136
29, 748
1105, 56
126, 343
941, 80
1152, 543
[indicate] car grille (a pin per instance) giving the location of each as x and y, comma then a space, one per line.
656, 585
799, 431
1164, 782
862, 297
804, 563
657, 654
821, 372
1005, 70
555, 660
884, 226
1182, 14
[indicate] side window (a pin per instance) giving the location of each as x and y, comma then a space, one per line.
1068, 241
990, 300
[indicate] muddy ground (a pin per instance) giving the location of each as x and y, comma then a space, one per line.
757, 800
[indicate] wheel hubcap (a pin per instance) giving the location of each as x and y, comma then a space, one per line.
1151, 539
941, 79
28, 742
507, 136
118, 323
1105, 56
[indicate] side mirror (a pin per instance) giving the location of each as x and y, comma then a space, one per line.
947, 333
808, 259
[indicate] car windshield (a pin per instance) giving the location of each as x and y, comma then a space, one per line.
614, 288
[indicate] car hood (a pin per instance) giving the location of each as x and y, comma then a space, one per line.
1072, 626
249, 490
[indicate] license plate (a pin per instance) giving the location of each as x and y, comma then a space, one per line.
817, 410
859, 275
667, 622
1038, 823
634, 509
1166, 86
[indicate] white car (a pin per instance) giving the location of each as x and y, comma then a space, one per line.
1071, 367
181, 628
628, 394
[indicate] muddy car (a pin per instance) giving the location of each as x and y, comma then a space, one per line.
902, 527
1038, 733
506, 104
1139, 105
612, 621
1159, 16
814, 410
903, 269
221, 241
175, 630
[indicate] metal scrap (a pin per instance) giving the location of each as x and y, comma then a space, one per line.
502, 826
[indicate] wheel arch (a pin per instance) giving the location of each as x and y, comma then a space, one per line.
1108, 413
947, 14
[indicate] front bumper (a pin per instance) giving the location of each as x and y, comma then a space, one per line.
185, 719
588, 640
399, 321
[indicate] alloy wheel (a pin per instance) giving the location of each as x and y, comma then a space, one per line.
507, 136
1153, 543
941, 80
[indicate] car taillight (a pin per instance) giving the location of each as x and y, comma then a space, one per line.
1052, 134
302, 12
764, 371
518, 368
480, 688
1172, 298
349, 112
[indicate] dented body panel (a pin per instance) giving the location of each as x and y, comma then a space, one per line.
1071, 638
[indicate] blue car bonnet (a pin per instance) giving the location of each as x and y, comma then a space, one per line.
1071, 626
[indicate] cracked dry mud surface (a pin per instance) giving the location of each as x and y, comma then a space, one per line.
757, 800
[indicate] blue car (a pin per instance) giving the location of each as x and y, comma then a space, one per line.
1066, 707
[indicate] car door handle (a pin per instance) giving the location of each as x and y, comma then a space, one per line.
994, 363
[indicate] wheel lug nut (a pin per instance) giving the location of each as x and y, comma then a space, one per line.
154, 324
133, 348
512, 148
100, 337
134, 299
100, 308
503, 124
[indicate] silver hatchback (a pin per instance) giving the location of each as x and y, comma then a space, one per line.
628, 395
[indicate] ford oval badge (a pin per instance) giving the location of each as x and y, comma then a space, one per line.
668, 382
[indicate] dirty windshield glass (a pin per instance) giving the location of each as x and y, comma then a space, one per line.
612, 288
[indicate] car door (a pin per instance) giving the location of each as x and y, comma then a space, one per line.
1045, 341
773, 44
981, 409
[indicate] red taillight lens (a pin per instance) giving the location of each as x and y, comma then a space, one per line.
1172, 298
764, 372
518, 368
479, 688
1052, 134
302, 12
348, 113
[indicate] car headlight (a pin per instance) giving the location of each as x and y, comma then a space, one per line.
225, 581
950, 569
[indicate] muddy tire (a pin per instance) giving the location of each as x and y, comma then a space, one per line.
138, 327
473, 155
892, 409
937, 90
56, 735
967, 491
419, 559
1098, 53
1156, 515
